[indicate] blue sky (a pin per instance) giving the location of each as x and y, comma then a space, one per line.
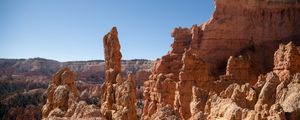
68, 30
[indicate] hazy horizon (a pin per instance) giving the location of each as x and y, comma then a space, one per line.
67, 30
71, 60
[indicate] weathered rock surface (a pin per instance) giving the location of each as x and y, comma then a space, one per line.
239, 69
212, 71
193, 72
274, 96
240, 27
242, 33
286, 61
62, 95
118, 97
63, 98
20, 75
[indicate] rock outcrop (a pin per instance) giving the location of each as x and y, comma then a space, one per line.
222, 69
240, 27
63, 99
193, 72
118, 97
159, 89
226, 55
286, 61
274, 96
239, 70
62, 95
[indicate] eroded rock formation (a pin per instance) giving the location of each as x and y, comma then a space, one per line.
218, 63
62, 95
222, 69
62, 101
286, 61
239, 69
275, 95
242, 27
118, 96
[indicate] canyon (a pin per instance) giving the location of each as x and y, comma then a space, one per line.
23, 83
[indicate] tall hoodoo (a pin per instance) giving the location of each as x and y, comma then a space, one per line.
112, 55
118, 96
112, 61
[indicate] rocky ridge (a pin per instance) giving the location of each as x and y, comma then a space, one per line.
87, 71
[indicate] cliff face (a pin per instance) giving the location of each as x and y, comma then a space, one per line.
274, 95
240, 27
242, 33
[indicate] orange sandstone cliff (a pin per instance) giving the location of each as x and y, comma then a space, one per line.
213, 69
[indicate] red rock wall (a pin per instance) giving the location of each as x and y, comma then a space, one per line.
250, 28
238, 25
